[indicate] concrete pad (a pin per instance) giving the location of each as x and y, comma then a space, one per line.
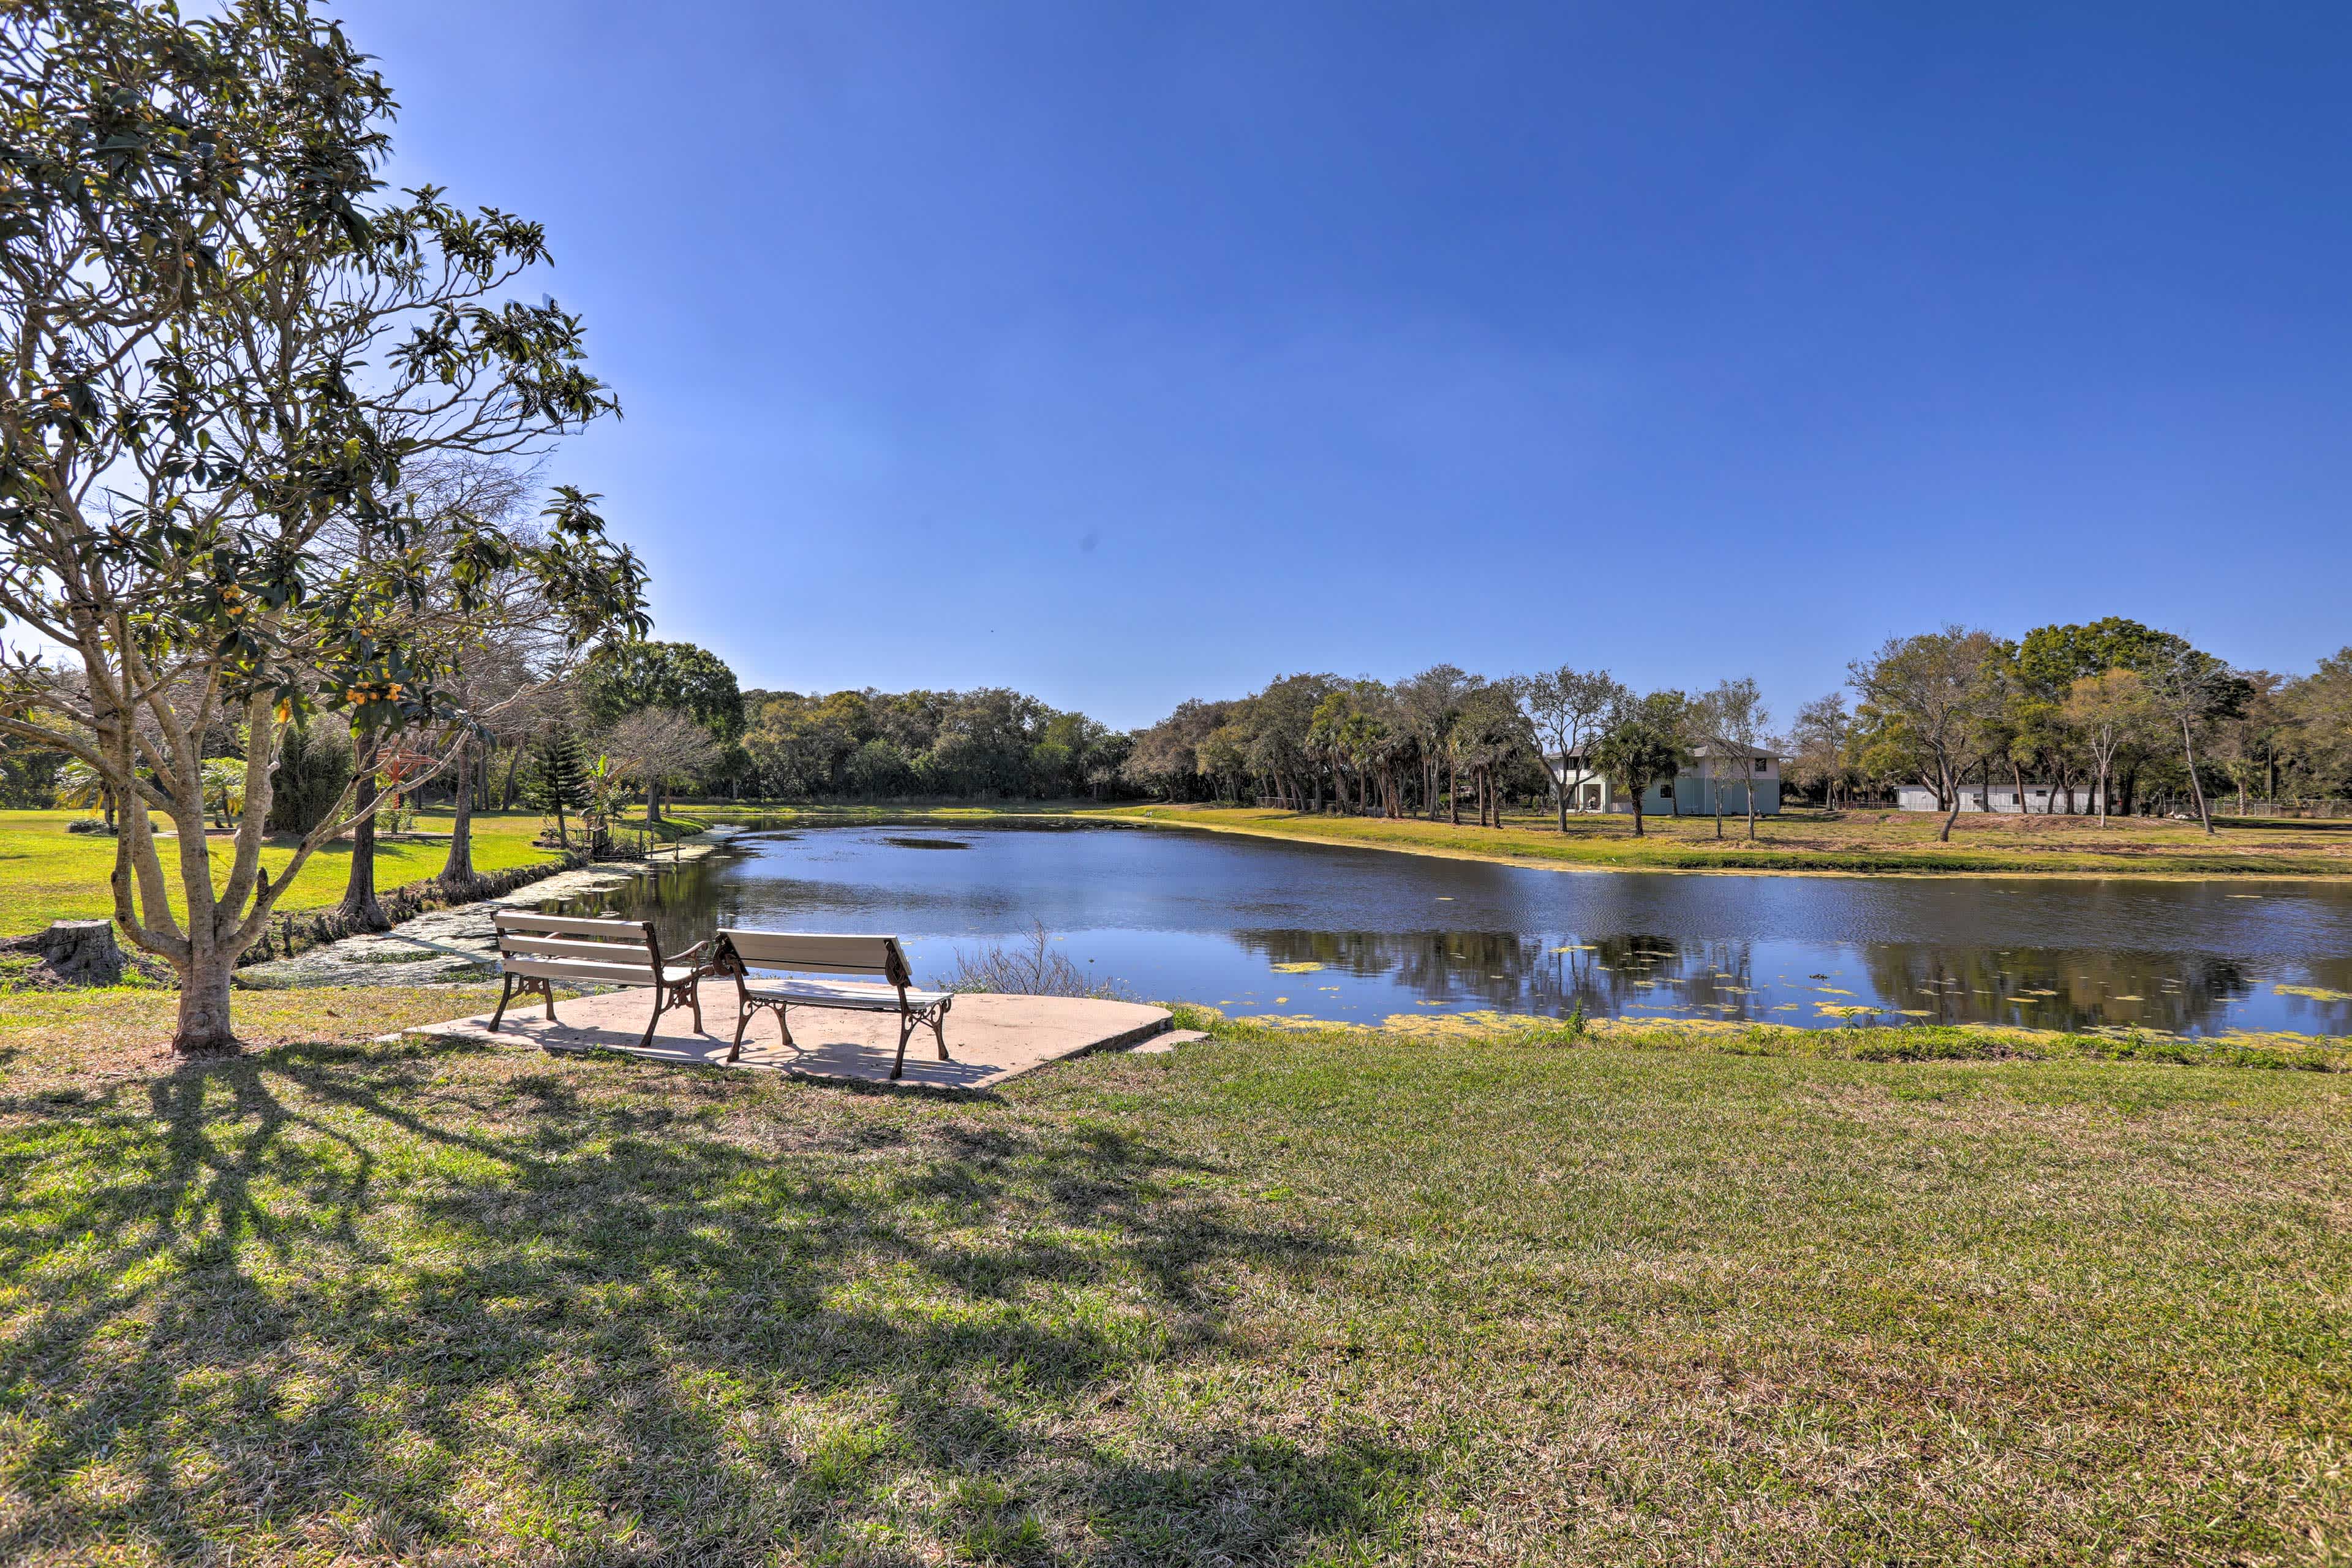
990, 1038
1159, 1044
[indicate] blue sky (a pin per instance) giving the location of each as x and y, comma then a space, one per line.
1127, 354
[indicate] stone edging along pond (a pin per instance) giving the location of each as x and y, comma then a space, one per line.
445, 946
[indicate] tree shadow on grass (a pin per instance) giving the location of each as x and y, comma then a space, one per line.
363, 1301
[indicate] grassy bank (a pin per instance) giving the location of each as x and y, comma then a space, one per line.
1876, 842
1279, 1297
46, 873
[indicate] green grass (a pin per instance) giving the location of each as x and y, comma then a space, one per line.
46, 873
1854, 842
1325, 1298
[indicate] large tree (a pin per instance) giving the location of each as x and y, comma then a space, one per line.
623, 677
222, 346
1821, 740
1429, 704
658, 746
1566, 706
1932, 689
2110, 710
1640, 744
2190, 688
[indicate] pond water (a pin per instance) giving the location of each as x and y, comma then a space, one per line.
1259, 926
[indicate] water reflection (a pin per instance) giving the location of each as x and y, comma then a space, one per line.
1360, 935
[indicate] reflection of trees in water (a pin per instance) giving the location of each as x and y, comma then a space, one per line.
1508, 972
1636, 973
1532, 974
2088, 988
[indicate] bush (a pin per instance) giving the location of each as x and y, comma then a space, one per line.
1032, 969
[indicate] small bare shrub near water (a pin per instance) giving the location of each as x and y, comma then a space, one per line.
1031, 969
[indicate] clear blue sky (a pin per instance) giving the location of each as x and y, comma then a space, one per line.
1124, 354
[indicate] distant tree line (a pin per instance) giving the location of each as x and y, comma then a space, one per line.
987, 744
2109, 717
1438, 744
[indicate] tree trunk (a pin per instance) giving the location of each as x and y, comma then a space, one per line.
2018, 773
2103, 795
360, 905
514, 767
1751, 805
1717, 793
1453, 794
459, 870
1637, 810
202, 1027
1945, 772
2188, 749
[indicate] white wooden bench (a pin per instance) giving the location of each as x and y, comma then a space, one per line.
537, 950
738, 952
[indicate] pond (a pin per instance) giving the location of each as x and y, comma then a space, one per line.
1259, 926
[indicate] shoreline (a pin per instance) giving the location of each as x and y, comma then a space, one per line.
1531, 863
1180, 816
458, 943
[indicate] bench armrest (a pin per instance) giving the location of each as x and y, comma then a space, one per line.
689, 955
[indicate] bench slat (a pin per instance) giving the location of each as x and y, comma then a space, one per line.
581, 970
870, 998
818, 951
567, 925
525, 944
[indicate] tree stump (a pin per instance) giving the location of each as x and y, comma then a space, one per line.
82, 952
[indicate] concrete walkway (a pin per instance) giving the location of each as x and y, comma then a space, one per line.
991, 1039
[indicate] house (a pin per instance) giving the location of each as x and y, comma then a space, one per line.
2001, 798
1692, 791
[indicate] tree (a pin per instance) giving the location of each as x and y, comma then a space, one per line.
1567, 707
1933, 687
558, 780
2321, 705
311, 774
657, 746
1640, 744
1428, 703
1488, 733
1733, 719
78, 783
1821, 742
2110, 710
622, 676
2190, 687
222, 349
2251, 739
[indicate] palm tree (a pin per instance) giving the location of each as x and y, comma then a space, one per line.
78, 783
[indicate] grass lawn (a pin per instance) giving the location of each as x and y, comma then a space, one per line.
46, 873
1277, 1298
1807, 840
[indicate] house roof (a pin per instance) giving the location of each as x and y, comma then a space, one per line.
1703, 749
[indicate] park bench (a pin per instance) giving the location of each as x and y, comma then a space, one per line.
738, 952
537, 950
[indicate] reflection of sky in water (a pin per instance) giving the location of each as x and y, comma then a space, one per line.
1190, 916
